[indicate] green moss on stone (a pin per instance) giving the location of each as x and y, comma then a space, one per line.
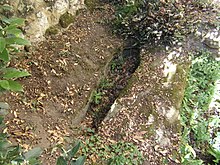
53, 30
66, 19
179, 82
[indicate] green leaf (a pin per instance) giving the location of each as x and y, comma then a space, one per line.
20, 160
13, 152
4, 105
215, 153
17, 40
1, 120
61, 161
34, 161
5, 19
3, 109
3, 112
12, 29
73, 151
4, 55
34, 153
6, 7
5, 84
12, 73
2, 44
79, 161
4, 145
16, 21
15, 86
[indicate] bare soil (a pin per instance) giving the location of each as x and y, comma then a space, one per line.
64, 68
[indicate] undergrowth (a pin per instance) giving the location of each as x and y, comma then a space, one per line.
196, 117
113, 153
10, 38
69, 156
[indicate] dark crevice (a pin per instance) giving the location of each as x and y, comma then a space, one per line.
118, 72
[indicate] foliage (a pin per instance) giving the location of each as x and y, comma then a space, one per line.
215, 153
155, 21
105, 83
112, 154
10, 38
116, 64
125, 153
97, 96
194, 115
11, 155
68, 157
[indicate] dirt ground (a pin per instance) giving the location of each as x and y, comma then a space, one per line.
64, 68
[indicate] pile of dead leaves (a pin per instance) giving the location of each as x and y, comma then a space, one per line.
157, 21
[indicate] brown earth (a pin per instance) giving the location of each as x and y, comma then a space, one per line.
67, 67
64, 68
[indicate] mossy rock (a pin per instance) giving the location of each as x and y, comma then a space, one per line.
53, 30
66, 19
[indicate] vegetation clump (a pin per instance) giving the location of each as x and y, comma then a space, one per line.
111, 154
199, 133
10, 38
68, 156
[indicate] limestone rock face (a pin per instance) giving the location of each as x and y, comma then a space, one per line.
41, 14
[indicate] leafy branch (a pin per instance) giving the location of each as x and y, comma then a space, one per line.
10, 40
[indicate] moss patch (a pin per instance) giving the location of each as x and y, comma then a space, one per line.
179, 84
53, 30
66, 19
